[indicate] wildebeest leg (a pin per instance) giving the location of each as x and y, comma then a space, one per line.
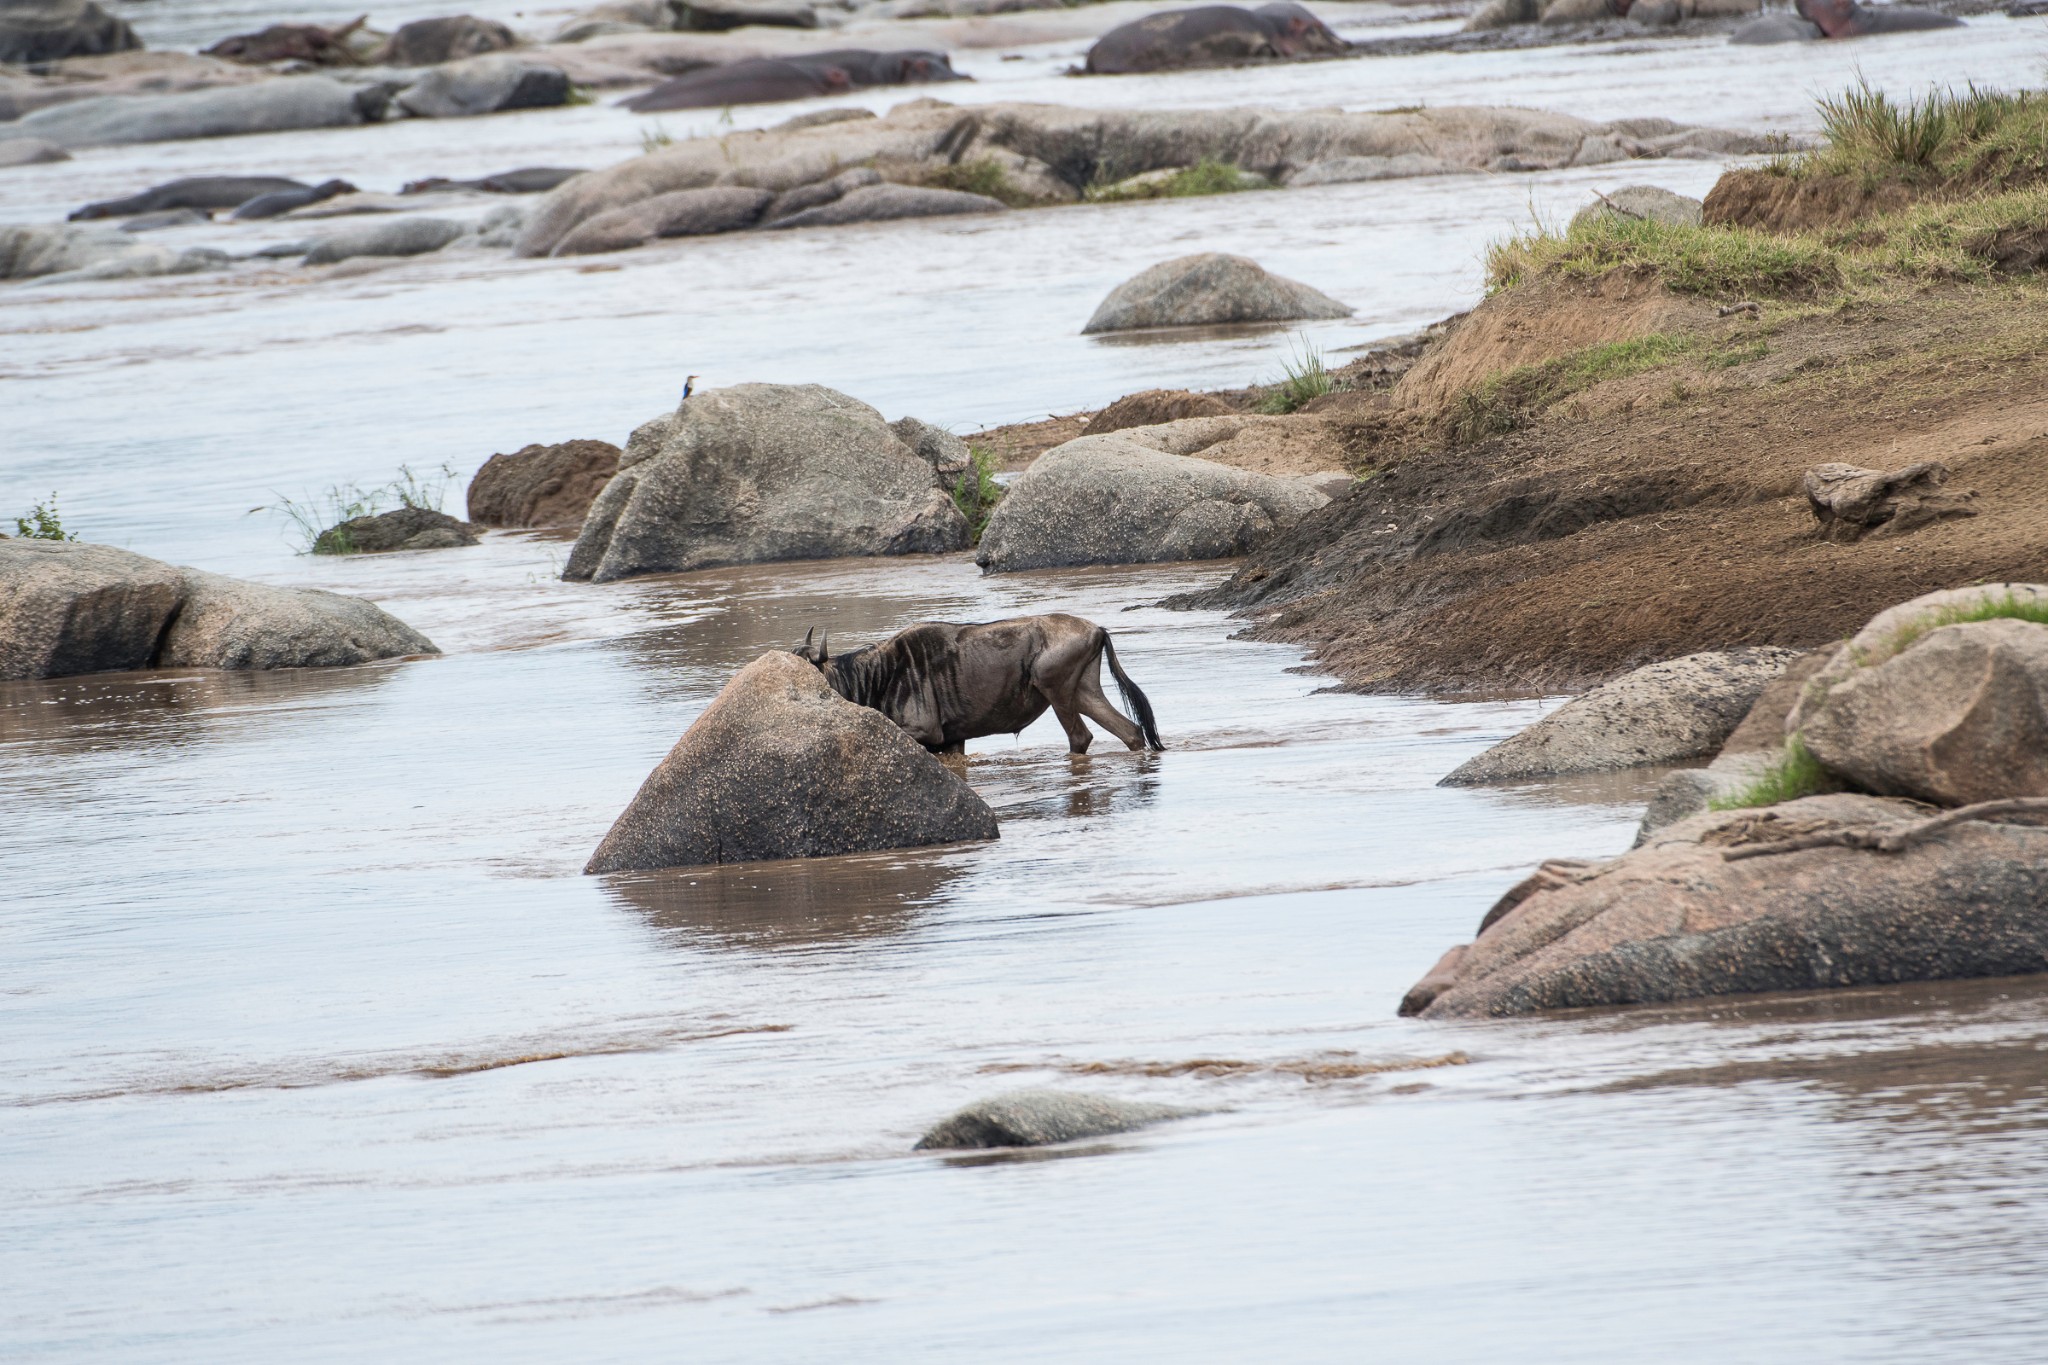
958, 746
1094, 705
1079, 737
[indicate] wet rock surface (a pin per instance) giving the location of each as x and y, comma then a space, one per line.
1660, 713
404, 528
394, 237
1208, 289
1113, 500
763, 472
228, 623
685, 213
1681, 918
50, 30
542, 485
1038, 1118
780, 766
272, 106
491, 84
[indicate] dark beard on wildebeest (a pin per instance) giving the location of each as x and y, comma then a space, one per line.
946, 684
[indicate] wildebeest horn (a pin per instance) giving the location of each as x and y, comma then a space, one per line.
805, 647
824, 649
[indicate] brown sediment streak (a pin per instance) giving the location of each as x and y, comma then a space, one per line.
440, 1070
1332, 1066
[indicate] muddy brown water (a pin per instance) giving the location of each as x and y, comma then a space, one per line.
317, 1042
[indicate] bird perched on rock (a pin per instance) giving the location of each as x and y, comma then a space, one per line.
689, 386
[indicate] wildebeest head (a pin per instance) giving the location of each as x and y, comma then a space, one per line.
819, 654
1294, 30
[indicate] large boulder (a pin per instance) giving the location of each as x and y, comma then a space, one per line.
51, 30
1745, 756
31, 249
1661, 713
684, 213
402, 528
947, 454
71, 608
1959, 715
490, 84
393, 237
1207, 289
781, 766
68, 608
227, 623
880, 203
1694, 912
1112, 500
1641, 203
1037, 1118
429, 42
541, 485
762, 472
274, 106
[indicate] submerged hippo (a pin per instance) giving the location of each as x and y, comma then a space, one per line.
768, 80
1775, 28
206, 192
525, 180
284, 201
307, 43
1847, 19
1214, 35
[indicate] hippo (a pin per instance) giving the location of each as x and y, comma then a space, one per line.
284, 201
307, 43
1775, 28
207, 192
1213, 35
525, 180
765, 80
756, 80
1847, 19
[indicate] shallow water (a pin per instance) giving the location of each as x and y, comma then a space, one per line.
315, 1044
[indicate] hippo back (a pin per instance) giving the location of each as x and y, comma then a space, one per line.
1213, 35
1295, 31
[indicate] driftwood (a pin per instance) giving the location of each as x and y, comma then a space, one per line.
1850, 503
1892, 838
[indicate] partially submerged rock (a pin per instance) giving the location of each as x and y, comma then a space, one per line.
68, 608
1660, 713
395, 237
50, 30
539, 485
881, 203
30, 151
762, 472
429, 42
227, 623
1851, 503
781, 766
306, 44
58, 253
1112, 500
1692, 913
685, 213
1208, 289
1643, 203
403, 528
492, 84
1038, 1118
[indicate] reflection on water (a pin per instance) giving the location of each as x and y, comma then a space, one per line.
803, 902
160, 706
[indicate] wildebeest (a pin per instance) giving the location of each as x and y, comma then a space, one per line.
1213, 35
946, 684
767, 80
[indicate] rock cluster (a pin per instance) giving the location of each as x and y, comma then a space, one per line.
1038, 1118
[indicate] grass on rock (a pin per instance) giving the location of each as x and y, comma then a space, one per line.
1795, 773
1207, 176
315, 522
976, 492
984, 176
2007, 608
43, 523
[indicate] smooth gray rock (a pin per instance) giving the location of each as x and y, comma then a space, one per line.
485, 85
1209, 289
821, 191
1112, 500
1661, 713
683, 213
228, 623
67, 607
1675, 920
141, 260
781, 766
277, 106
1643, 202
31, 249
1958, 716
500, 228
1037, 1118
393, 237
164, 218
51, 30
878, 203
1347, 170
30, 151
763, 472
402, 528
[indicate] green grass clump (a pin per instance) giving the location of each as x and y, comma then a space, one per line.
1508, 401
1207, 176
43, 523
1718, 262
1795, 773
2006, 608
984, 176
1303, 378
655, 139
1969, 140
976, 492
315, 522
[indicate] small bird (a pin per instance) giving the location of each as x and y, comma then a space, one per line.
689, 385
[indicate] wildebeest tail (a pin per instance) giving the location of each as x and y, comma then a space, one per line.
1134, 697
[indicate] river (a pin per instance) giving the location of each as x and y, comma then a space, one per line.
316, 1045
